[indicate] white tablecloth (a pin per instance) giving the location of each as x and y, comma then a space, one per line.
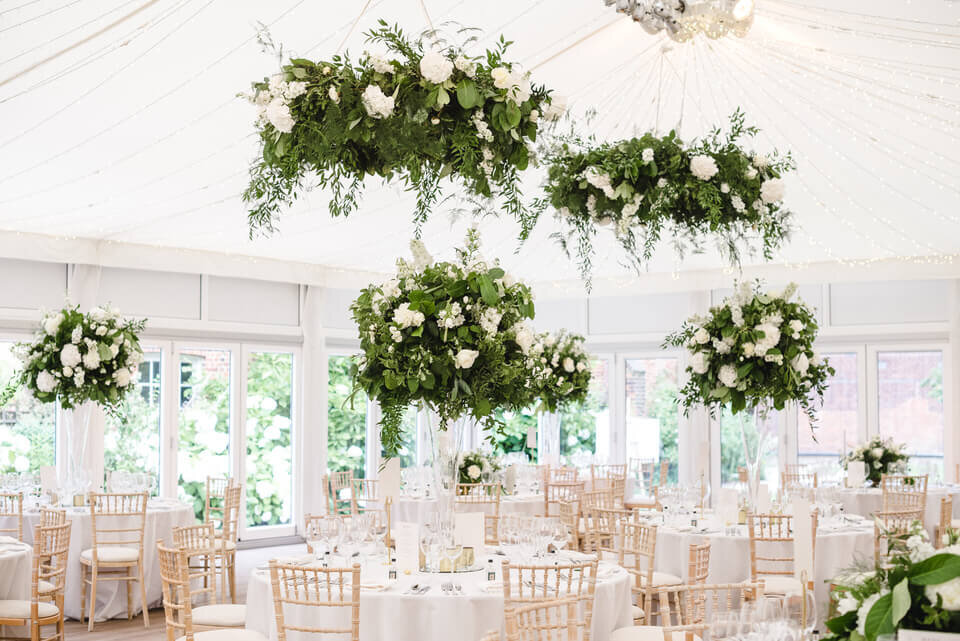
435, 616
866, 501
15, 567
730, 555
162, 517
415, 510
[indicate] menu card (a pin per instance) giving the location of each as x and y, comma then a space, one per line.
468, 530
727, 508
390, 479
407, 539
532, 437
856, 474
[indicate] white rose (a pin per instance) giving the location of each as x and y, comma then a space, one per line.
376, 103
465, 358
699, 363
91, 360
703, 167
772, 190
380, 64
750, 173
647, 155
46, 381
877, 452
949, 592
568, 364
70, 355
524, 338
473, 472
556, 108
728, 375
436, 67
701, 336
101, 330
501, 77
724, 188
334, 96
52, 323
581, 366
278, 113
465, 65
847, 604
98, 314
122, 377
800, 363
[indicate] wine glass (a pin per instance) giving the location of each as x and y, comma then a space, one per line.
561, 534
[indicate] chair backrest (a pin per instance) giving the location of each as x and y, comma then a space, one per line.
11, 505
600, 528
902, 492
200, 541
177, 601
231, 512
699, 564
482, 497
51, 516
332, 485
325, 588
946, 520
556, 620
889, 527
213, 509
613, 471
117, 520
564, 475
364, 495
51, 546
556, 492
636, 551
767, 554
689, 608
569, 513
800, 478
523, 584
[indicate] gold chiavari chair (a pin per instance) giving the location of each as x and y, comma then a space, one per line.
564, 475
50, 517
554, 493
333, 485
482, 497
199, 542
698, 567
42, 609
605, 475
226, 541
117, 522
770, 536
557, 620
364, 495
178, 602
637, 551
525, 584
11, 506
889, 527
600, 531
324, 588
904, 493
213, 507
799, 478
692, 605
946, 524
569, 513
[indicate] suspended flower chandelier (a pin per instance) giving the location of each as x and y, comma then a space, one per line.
683, 19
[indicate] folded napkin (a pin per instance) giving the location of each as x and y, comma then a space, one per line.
573, 555
8, 540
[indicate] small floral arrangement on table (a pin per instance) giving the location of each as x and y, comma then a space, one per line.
916, 588
475, 464
77, 357
654, 186
416, 111
753, 350
880, 456
444, 334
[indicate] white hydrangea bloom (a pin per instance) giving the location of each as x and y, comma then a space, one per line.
647, 155
703, 167
772, 190
501, 77
464, 64
436, 67
376, 103
699, 363
701, 336
70, 355
728, 375
46, 382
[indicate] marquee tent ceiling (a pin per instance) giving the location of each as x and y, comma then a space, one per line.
137, 136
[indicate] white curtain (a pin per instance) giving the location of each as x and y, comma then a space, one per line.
313, 450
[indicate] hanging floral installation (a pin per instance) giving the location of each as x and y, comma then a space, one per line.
648, 188
417, 112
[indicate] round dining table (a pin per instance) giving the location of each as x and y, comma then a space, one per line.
868, 500
162, 516
471, 609
408, 509
16, 561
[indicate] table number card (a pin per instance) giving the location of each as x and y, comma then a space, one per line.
390, 479
532, 437
727, 505
802, 539
407, 538
856, 474
468, 530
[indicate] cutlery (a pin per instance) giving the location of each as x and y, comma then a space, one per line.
447, 587
459, 589
413, 588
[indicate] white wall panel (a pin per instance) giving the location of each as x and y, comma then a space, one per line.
886, 303
336, 308
639, 314
244, 300
139, 292
555, 314
27, 284
812, 295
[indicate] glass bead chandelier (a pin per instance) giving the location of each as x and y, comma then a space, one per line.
684, 19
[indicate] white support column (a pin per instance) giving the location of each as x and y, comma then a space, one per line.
313, 427
695, 442
951, 389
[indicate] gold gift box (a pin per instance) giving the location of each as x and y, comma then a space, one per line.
461, 563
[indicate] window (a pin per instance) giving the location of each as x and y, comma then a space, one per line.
514, 436
204, 423
837, 428
346, 420
734, 430
269, 435
910, 405
132, 443
652, 411
584, 430
27, 427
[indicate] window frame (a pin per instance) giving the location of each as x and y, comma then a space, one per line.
621, 419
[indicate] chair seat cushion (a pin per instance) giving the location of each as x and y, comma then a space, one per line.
636, 612
648, 633
43, 587
223, 615
227, 635
14, 609
785, 585
111, 554
662, 578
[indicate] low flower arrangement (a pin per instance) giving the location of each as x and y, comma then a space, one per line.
474, 464
417, 112
917, 588
444, 334
654, 186
753, 350
880, 456
76, 357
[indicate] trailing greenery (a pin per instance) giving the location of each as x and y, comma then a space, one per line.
880, 456
651, 187
75, 358
916, 588
755, 350
418, 113
443, 334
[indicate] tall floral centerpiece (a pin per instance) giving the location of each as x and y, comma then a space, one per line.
416, 110
753, 353
448, 337
880, 456
80, 361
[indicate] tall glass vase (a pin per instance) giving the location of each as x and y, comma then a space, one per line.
754, 456
548, 447
76, 479
446, 442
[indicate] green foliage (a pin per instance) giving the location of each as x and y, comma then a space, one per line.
512, 436
346, 420
560, 370
880, 456
471, 466
645, 189
663, 407
323, 120
753, 350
